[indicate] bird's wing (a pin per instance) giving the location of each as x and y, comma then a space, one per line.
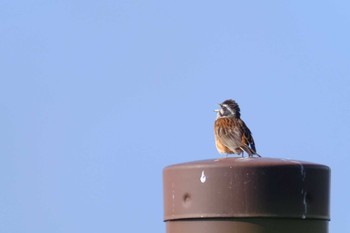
247, 138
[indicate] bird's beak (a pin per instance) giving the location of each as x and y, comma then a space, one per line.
218, 110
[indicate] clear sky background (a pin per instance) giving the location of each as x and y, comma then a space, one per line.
97, 97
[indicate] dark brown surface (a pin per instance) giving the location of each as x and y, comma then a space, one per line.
246, 188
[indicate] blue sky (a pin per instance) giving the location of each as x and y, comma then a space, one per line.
97, 97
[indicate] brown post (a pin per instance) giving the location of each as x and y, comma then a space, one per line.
246, 195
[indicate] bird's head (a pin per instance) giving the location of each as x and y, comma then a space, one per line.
228, 108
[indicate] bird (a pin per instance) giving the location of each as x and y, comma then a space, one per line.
232, 136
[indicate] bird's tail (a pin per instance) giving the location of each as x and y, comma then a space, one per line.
249, 151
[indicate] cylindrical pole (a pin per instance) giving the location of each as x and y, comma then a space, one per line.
246, 195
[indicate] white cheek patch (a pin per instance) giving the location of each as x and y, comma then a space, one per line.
228, 108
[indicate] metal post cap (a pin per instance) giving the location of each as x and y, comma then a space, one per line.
246, 188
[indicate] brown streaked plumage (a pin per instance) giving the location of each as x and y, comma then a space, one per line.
232, 136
